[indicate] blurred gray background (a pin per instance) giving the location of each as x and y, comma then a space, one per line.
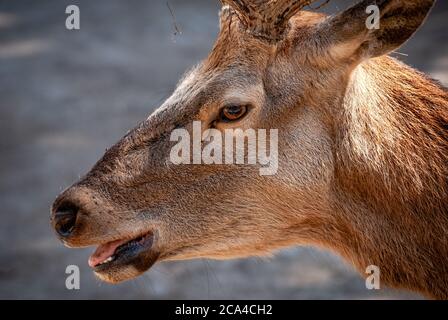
67, 95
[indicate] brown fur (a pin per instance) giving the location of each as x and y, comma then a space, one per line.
363, 156
402, 182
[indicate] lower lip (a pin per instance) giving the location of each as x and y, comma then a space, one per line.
128, 253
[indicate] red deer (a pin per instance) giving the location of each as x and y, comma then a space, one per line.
362, 153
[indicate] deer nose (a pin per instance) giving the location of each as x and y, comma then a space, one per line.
64, 218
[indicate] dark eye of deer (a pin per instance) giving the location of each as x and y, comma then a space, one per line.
232, 113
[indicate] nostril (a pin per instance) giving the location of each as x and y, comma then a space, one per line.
65, 218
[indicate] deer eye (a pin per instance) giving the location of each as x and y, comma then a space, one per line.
232, 113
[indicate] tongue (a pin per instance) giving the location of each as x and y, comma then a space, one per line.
104, 251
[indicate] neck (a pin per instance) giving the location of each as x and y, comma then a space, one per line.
391, 180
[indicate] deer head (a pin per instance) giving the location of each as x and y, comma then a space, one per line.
273, 66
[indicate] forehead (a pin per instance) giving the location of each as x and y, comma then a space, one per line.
199, 90
201, 86
236, 66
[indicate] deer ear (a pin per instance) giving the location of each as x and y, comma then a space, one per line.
373, 28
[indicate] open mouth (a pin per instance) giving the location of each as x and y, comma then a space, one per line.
121, 253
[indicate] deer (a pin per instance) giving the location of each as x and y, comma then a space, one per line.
362, 153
